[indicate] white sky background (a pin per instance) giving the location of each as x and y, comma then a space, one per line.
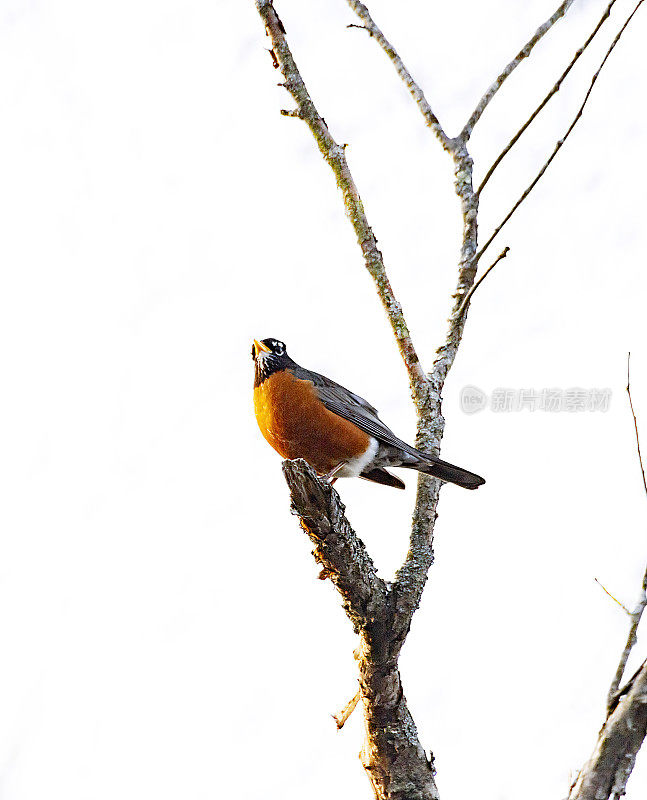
162, 629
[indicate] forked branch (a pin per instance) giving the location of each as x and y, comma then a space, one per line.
394, 759
381, 612
414, 89
335, 156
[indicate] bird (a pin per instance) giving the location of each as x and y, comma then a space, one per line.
303, 414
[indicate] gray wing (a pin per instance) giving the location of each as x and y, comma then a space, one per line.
352, 407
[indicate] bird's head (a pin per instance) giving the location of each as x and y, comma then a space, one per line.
269, 355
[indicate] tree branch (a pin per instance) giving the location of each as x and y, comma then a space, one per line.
635, 615
633, 414
415, 91
525, 51
606, 773
392, 755
410, 579
615, 599
430, 420
561, 141
468, 296
337, 547
544, 102
335, 156
380, 612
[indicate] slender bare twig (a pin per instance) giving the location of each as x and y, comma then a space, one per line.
633, 414
635, 615
416, 92
335, 155
561, 141
544, 102
615, 599
525, 51
468, 296
342, 718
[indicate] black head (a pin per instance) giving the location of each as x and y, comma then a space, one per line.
268, 347
269, 355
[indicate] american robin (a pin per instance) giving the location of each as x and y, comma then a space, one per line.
304, 415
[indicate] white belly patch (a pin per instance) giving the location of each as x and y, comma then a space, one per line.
356, 466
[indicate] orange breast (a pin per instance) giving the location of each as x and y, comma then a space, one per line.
297, 424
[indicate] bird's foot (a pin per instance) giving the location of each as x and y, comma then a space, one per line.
331, 476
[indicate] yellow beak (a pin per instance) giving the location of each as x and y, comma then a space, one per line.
260, 347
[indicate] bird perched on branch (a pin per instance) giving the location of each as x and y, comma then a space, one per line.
305, 415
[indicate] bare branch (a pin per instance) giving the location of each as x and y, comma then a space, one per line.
632, 638
525, 51
633, 414
561, 141
606, 773
641, 604
380, 612
342, 718
445, 355
615, 599
335, 156
544, 102
337, 547
431, 423
468, 296
416, 92
393, 757
410, 579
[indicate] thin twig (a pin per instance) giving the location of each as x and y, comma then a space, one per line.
525, 51
615, 599
637, 613
415, 90
633, 414
468, 296
335, 155
561, 141
544, 102
342, 718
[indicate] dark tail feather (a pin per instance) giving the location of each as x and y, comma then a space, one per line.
379, 475
447, 472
